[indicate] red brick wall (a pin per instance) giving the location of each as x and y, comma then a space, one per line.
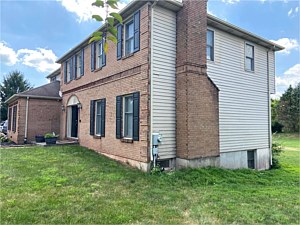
121, 77
197, 97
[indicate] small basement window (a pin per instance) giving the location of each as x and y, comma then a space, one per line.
251, 159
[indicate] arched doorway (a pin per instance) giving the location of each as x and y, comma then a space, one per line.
72, 117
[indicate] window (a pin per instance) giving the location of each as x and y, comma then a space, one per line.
129, 38
210, 45
97, 117
99, 55
78, 64
251, 159
249, 61
68, 70
127, 116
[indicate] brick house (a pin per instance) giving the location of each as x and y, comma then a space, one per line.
34, 112
181, 87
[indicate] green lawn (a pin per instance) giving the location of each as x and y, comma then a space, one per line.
74, 185
289, 141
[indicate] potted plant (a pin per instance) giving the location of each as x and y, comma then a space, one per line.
50, 138
39, 138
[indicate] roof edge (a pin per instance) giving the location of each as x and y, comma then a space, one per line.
16, 96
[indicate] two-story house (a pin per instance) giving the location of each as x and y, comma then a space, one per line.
181, 87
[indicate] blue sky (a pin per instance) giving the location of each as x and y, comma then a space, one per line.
35, 33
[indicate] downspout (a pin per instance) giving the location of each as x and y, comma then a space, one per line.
26, 121
151, 79
269, 109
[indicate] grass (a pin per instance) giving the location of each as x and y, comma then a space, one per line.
289, 141
59, 185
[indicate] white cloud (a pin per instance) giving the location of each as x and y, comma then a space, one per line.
43, 60
290, 77
230, 1
7, 55
288, 43
84, 9
292, 12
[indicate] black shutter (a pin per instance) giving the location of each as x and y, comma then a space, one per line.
82, 63
71, 68
92, 117
136, 116
119, 117
65, 72
137, 31
103, 106
119, 43
75, 66
93, 56
103, 55
9, 118
14, 125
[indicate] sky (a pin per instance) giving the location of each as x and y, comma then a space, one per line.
35, 33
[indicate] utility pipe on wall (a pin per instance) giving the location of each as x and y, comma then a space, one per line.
26, 121
269, 109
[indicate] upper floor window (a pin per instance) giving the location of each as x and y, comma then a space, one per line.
249, 60
129, 37
68, 70
100, 54
210, 45
78, 63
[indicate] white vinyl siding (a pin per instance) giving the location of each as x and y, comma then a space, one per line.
272, 72
164, 80
243, 96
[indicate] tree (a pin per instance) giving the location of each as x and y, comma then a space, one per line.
12, 84
288, 109
276, 126
110, 32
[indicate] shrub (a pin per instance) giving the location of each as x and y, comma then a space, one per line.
276, 151
50, 135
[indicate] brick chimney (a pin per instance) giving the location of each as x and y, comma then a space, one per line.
197, 96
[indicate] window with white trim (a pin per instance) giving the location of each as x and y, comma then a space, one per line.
68, 71
128, 116
210, 45
98, 118
129, 37
78, 64
99, 55
249, 60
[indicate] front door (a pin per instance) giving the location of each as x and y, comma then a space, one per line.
74, 123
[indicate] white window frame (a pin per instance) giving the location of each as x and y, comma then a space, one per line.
78, 62
98, 117
99, 52
68, 71
126, 39
211, 47
124, 117
252, 69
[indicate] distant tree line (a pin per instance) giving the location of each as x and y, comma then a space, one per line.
11, 84
285, 111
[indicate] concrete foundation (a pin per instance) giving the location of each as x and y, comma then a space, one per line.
200, 162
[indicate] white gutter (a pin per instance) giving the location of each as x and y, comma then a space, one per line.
26, 121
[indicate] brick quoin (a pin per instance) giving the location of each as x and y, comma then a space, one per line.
197, 100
